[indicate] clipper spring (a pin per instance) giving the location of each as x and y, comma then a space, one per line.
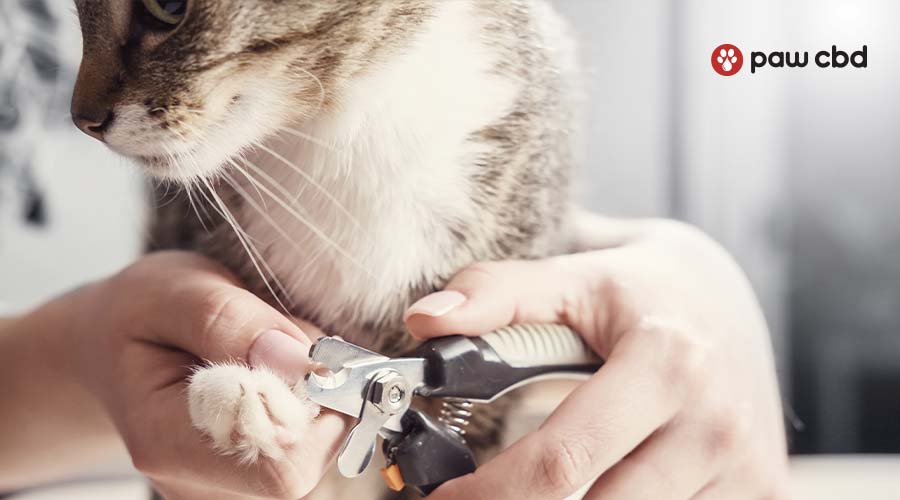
455, 414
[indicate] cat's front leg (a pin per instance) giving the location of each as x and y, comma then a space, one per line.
248, 412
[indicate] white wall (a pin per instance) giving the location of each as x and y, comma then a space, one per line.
732, 136
670, 137
845, 173
624, 50
95, 203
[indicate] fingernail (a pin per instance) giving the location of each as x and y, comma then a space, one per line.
283, 354
436, 304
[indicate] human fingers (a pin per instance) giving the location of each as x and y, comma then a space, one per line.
673, 464
168, 449
189, 303
601, 422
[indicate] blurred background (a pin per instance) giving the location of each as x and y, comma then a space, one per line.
795, 171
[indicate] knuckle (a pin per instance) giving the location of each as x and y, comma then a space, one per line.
778, 489
482, 272
685, 359
220, 314
480, 277
149, 265
281, 481
146, 462
142, 266
143, 449
727, 428
655, 471
563, 464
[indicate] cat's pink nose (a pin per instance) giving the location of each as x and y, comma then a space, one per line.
92, 126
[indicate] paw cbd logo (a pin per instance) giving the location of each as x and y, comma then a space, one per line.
727, 60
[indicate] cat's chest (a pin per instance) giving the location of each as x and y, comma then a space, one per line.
349, 263
354, 212
353, 230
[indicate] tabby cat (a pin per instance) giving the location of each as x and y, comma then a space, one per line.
343, 157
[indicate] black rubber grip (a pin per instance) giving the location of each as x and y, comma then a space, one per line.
428, 453
469, 368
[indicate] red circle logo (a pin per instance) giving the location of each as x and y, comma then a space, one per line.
727, 60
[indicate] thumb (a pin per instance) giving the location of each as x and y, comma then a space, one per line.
491, 295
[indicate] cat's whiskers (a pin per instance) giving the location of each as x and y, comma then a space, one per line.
295, 209
292, 210
309, 178
322, 92
320, 252
312, 139
257, 259
167, 152
311, 257
256, 256
165, 200
222, 80
200, 137
174, 161
262, 212
262, 198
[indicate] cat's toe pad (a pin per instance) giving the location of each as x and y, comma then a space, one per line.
248, 412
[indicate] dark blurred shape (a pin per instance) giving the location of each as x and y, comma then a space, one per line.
879, 411
845, 257
9, 113
29, 90
45, 62
35, 208
39, 11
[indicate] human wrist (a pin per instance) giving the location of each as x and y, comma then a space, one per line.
61, 426
6, 324
57, 329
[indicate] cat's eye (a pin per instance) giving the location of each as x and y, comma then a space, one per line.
169, 12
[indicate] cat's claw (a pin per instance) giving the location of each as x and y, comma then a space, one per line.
247, 412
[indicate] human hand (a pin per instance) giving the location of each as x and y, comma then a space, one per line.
140, 336
686, 406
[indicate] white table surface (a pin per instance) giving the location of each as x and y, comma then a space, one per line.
848, 477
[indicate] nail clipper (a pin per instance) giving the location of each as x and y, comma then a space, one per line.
423, 452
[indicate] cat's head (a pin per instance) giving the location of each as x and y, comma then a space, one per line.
182, 86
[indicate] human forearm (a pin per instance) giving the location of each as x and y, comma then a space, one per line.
51, 425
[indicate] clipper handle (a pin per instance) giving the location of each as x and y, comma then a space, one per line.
484, 368
427, 453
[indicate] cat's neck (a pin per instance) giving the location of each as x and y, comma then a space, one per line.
367, 192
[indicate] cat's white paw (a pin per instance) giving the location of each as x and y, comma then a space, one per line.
248, 412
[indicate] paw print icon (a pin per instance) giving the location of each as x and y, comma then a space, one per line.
727, 60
